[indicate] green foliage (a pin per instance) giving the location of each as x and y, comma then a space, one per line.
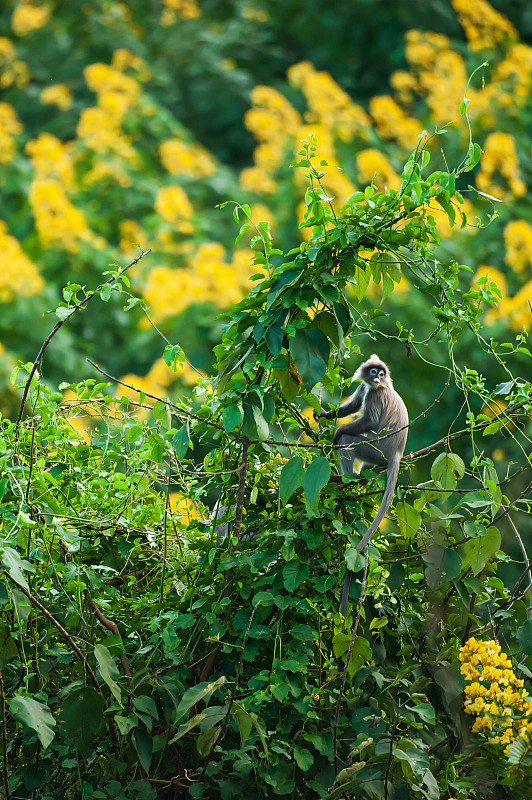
147, 649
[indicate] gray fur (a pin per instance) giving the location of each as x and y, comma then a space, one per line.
377, 436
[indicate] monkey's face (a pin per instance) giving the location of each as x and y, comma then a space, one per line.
375, 374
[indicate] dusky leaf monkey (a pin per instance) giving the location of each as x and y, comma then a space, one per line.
377, 436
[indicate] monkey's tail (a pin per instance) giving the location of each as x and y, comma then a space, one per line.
391, 480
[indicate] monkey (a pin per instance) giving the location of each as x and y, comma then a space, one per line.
377, 436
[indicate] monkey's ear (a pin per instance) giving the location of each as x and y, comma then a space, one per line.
374, 356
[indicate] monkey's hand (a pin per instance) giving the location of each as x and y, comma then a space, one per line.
326, 414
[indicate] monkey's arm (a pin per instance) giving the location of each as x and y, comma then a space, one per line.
350, 406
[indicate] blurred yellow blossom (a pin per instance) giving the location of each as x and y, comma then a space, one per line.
110, 170
9, 127
484, 27
184, 507
440, 72
58, 222
518, 240
443, 226
392, 122
494, 275
256, 179
101, 132
186, 9
124, 59
180, 158
19, 277
500, 160
57, 95
209, 278
272, 114
250, 11
373, 161
328, 103
51, 158
174, 206
132, 236
404, 84
29, 16
81, 416
13, 71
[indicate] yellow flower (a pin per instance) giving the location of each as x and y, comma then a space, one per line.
372, 161
272, 115
500, 159
484, 26
174, 206
518, 240
186, 9
9, 127
329, 104
257, 180
392, 122
58, 222
51, 158
101, 133
13, 71
57, 95
180, 158
19, 277
28, 17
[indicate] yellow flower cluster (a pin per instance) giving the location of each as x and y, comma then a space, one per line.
185, 9
329, 105
392, 122
273, 121
19, 277
440, 72
518, 240
58, 222
13, 71
509, 87
123, 59
174, 206
256, 179
99, 130
117, 92
372, 162
57, 95
209, 278
500, 157
180, 158
404, 84
494, 694
28, 17
484, 27
9, 127
52, 158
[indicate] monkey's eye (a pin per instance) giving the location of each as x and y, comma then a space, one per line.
374, 371
381, 374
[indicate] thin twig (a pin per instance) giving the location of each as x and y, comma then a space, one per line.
237, 676
348, 659
240, 497
58, 327
4, 738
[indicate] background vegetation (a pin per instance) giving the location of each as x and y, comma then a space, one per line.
195, 668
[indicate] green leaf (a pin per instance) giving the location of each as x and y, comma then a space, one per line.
479, 550
195, 694
108, 670
206, 741
34, 715
304, 758
180, 442
524, 637
355, 561
446, 469
232, 416
82, 716
444, 564
409, 520
14, 565
291, 478
243, 721
316, 477
294, 573
143, 744
310, 352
